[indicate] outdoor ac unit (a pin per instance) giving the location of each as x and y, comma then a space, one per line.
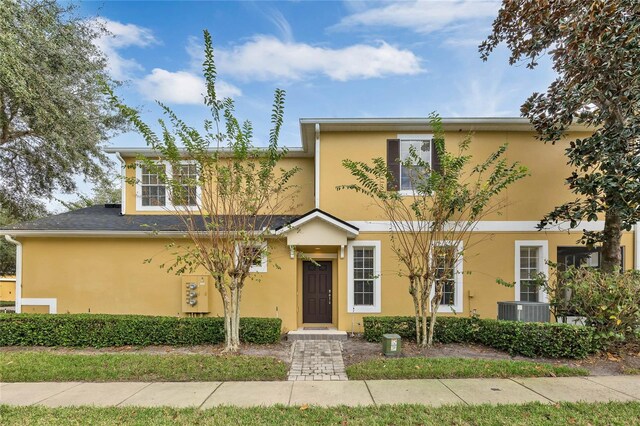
524, 311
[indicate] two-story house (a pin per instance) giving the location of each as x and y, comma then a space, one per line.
92, 260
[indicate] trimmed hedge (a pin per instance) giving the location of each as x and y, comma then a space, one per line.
98, 330
530, 339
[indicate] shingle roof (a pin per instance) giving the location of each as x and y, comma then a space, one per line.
105, 219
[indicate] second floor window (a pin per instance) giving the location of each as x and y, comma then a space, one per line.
410, 175
186, 175
153, 190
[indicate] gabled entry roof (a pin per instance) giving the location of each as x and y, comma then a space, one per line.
317, 214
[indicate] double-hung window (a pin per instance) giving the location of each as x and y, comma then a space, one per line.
530, 266
410, 173
186, 193
529, 270
363, 276
403, 167
363, 281
153, 192
446, 259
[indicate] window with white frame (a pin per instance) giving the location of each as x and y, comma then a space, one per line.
186, 174
153, 192
447, 261
363, 275
529, 270
363, 281
255, 254
422, 148
530, 265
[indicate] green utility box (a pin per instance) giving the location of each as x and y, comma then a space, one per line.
391, 344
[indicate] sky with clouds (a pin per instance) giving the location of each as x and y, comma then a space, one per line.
334, 59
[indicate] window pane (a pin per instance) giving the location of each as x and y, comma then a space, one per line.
363, 272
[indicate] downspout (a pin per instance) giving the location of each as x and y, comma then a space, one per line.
636, 247
18, 245
317, 164
123, 184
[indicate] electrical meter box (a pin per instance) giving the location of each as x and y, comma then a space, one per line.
391, 344
195, 293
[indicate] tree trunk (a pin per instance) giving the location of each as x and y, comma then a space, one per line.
612, 234
432, 320
416, 306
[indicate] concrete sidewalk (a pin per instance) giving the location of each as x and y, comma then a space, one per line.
432, 392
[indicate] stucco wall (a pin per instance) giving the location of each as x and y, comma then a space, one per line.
102, 275
527, 200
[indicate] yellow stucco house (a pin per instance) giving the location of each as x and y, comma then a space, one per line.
92, 260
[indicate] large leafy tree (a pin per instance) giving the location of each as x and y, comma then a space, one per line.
595, 49
229, 202
53, 116
432, 227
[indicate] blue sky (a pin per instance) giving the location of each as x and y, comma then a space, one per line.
334, 59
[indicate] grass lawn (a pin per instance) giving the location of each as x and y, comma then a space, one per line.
444, 368
528, 414
46, 367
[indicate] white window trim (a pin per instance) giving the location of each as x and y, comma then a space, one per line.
376, 308
412, 137
168, 204
458, 306
543, 258
263, 261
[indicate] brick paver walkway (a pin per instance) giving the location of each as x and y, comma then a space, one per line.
317, 360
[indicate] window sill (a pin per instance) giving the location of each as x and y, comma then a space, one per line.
449, 309
363, 309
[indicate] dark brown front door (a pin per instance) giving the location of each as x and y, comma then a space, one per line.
316, 292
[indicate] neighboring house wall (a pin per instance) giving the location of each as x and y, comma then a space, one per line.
7, 289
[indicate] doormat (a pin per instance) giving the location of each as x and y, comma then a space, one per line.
316, 328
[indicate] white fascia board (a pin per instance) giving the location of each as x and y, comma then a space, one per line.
318, 215
483, 226
110, 234
149, 152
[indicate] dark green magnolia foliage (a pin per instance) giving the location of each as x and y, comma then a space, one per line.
595, 49
53, 116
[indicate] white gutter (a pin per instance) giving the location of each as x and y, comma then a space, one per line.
123, 183
636, 246
18, 245
317, 166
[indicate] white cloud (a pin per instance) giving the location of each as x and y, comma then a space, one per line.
281, 23
121, 36
421, 16
267, 58
180, 87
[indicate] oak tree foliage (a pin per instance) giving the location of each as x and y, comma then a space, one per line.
54, 119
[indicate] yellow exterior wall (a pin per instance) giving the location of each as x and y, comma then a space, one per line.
304, 179
107, 275
8, 289
527, 200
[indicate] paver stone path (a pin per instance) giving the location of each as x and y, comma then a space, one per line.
317, 360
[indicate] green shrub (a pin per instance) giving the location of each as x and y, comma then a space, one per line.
81, 330
610, 302
518, 338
